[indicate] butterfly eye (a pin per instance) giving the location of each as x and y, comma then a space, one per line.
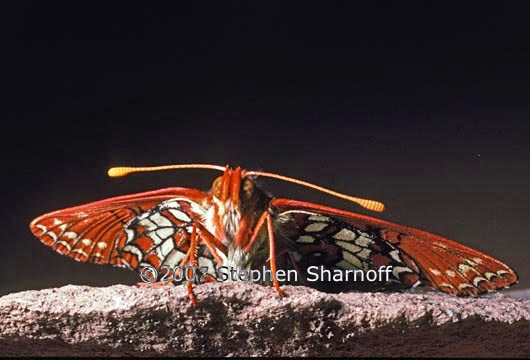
247, 189
217, 187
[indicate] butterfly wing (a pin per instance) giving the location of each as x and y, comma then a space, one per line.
324, 236
94, 232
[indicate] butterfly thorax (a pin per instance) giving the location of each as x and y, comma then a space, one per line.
236, 205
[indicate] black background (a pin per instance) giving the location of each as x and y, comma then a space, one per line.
424, 106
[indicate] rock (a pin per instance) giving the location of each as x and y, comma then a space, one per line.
241, 319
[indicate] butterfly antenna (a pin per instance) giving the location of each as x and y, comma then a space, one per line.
367, 204
122, 170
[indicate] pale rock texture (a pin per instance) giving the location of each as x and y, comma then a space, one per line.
243, 319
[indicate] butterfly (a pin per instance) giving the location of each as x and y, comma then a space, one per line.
240, 226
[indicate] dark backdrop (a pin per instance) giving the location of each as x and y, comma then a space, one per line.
424, 106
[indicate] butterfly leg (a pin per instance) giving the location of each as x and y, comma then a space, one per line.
255, 233
212, 243
272, 255
266, 217
191, 257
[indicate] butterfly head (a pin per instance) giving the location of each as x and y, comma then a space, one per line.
236, 189
237, 205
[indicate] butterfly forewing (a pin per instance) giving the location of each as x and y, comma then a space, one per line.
334, 238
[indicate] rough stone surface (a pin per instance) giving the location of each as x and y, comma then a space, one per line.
243, 319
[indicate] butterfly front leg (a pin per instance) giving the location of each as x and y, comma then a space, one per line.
267, 218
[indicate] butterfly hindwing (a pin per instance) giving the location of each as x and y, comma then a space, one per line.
414, 254
319, 242
161, 236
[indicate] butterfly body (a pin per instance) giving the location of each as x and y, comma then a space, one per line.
240, 226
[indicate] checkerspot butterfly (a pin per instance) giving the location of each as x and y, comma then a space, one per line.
238, 224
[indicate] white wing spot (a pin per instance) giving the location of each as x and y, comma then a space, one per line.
363, 241
160, 221
51, 234
65, 244
477, 280
305, 239
135, 251
364, 254
490, 275
397, 270
179, 215
464, 286
343, 264
164, 233
130, 234
157, 240
317, 217
102, 245
450, 273
349, 246
70, 235
144, 264
165, 248
435, 271
86, 242
80, 251
395, 255
174, 258
41, 228
477, 260
446, 285
353, 260
315, 227
463, 268
345, 234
